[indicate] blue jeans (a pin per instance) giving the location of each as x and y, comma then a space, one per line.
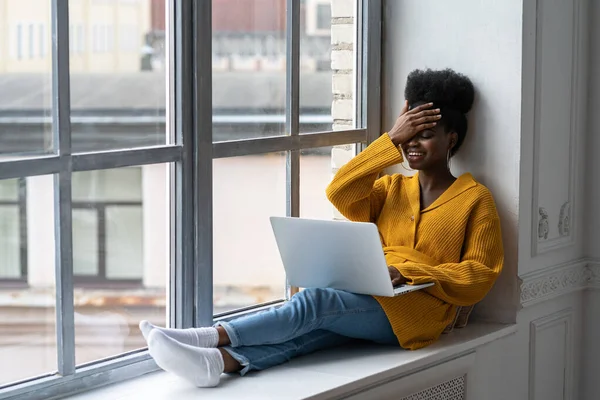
313, 319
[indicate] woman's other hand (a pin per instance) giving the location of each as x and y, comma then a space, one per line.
396, 277
409, 123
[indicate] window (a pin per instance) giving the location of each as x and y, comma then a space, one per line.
13, 231
42, 38
96, 39
80, 39
109, 33
31, 40
108, 219
19, 41
113, 222
323, 16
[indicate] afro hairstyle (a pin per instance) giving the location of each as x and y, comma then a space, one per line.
451, 92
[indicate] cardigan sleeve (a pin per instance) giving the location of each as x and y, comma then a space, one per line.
467, 282
355, 190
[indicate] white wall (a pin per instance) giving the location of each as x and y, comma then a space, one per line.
481, 39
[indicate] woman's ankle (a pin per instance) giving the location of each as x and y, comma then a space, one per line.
223, 337
230, 363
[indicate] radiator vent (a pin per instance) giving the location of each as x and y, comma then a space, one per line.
451, 390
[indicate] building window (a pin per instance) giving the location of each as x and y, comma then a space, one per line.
108, 226
31, 40
96, 39
19, 42
43, 44
109, 33
80, 39
13, 231
323, 17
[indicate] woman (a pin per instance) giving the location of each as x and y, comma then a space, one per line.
433, 227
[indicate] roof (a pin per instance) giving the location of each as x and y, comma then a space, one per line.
145, 90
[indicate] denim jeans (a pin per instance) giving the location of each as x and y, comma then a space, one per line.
313, 319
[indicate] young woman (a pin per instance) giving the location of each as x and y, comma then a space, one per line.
433, 227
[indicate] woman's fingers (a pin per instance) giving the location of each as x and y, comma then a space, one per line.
420, 108
404, 107
427, 119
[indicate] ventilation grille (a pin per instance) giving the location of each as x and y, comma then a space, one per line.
451, 390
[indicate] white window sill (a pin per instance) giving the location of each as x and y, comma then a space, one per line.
321, 375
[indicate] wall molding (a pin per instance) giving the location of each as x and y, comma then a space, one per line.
549, 283
540, 243
562, 317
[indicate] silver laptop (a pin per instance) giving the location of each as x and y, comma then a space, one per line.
335, 254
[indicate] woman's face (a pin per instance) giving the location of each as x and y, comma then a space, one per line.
428, 150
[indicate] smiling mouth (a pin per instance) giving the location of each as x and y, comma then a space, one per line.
415, 154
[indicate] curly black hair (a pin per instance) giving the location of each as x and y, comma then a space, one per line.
448, 90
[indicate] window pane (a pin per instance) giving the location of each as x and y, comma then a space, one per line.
10, 242
248, 46
327, 64
25, 81
247, 267
118, 76
317, 167
27, 308
9, 190
117, 185
124, 240
85, 241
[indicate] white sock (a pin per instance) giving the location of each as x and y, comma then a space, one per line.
202, 367
197, 337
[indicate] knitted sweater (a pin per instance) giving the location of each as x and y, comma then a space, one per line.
455, 242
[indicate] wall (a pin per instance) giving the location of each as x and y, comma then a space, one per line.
591, 232
527, 142
459, 33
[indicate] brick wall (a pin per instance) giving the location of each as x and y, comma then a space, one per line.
343, 35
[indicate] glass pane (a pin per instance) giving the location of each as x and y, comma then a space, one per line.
9, 190
124, 242
327, 65
26, 82
247, 267
128, 239
85, 241
27, 295
118, 76
117, 185
317, 167
248, 49
10, 242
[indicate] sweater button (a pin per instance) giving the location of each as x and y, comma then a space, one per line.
412, 217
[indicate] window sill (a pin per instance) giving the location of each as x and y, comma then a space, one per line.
322, 375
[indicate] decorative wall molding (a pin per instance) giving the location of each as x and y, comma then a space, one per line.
562, 317
559, 280
594, 274
541, 243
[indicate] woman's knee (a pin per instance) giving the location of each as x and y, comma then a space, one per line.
314, 295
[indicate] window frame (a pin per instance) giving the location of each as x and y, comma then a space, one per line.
189, 122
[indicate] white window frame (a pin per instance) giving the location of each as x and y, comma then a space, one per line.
191, 154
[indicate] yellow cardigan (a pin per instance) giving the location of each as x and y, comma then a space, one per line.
455, 242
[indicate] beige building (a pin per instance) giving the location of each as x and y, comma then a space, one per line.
105, 35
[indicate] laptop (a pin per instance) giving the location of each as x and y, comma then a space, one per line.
335, 254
